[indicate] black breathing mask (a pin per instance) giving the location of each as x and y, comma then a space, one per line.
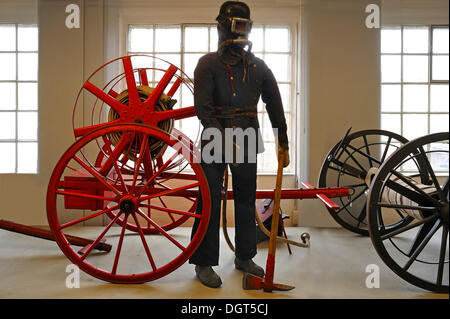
234, 24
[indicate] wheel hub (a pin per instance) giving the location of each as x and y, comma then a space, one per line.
128, 204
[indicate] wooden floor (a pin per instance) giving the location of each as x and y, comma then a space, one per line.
333, 267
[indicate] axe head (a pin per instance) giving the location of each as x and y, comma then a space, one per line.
252, 282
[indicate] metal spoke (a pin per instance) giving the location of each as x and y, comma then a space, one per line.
94, 244
96, 175
173, 211
119, 246
387, 205
442, 255
356, 162
116, 167
408, 227
388, 144
162, 231
422, 245
87, 217
362, 214
133, 94
406, 190
350, 202
168, 192
85, 195
348, 169
368, 156
433, 176
151, 179
144, 242
137, 165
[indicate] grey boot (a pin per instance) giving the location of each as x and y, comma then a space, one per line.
207, 276
249, 266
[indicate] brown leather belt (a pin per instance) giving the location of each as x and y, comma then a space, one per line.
232, 112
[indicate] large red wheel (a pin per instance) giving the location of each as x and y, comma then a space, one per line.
146, 90
76, 180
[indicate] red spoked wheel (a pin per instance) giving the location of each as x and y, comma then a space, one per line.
140, 200
146, 90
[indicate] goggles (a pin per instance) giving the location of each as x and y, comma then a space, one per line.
240, 26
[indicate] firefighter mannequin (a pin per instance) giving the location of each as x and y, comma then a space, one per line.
227, 86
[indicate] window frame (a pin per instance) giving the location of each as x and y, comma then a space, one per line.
292, 59
16, 140
429, 83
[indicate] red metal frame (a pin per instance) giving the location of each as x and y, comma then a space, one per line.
97, 185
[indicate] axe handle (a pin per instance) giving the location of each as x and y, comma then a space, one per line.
270, 266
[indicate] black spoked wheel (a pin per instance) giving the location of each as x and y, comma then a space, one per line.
417, 252
352, 162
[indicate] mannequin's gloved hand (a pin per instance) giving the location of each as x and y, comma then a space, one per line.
285, 152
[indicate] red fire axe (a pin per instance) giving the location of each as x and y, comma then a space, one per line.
250, 281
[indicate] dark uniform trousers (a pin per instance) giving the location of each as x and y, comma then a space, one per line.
244, 192
219, 89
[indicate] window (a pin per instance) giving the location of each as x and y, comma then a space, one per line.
414, 80
18, 98
189, 42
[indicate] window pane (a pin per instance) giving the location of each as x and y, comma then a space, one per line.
415, 40
269, 159
214, 39
439, 98
27, 38
438, 123
390, 97
415, 68
256, 36
7, 126
8, 158
415, 98
190, 127
440, 40
196, 39
279, 64
168, 39
8, 36
28, 66
141, 39
187, 97
27, 157
391, 40
267, 132
28, 124
439, 156
190, 63
28, 96
440, 67
390, 68
8, 66
8, 96
175, 59
391, 122
285, 92
415, 125
277, 40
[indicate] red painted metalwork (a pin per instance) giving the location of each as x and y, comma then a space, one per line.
128, 183
122, 201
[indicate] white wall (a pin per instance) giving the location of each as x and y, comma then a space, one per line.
339, 76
